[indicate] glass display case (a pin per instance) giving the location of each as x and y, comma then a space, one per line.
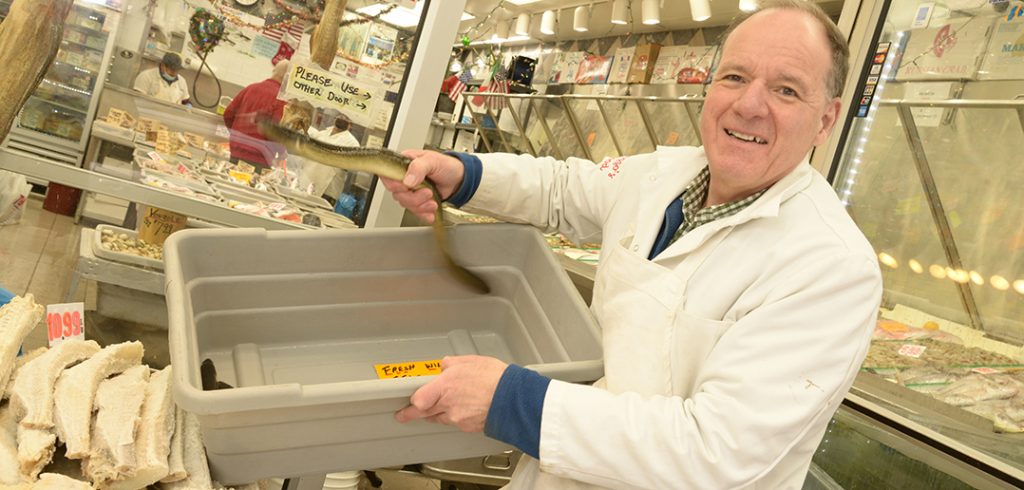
57, 115
930, 172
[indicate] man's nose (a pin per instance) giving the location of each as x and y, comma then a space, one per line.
753, 101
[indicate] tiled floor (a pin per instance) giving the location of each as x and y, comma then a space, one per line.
38, 256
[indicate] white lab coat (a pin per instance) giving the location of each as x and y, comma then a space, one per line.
322, 176
726, 356
151, 83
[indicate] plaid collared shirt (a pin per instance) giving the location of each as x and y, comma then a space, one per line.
694, 214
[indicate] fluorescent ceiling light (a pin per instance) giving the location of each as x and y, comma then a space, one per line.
523, 25
652, 12
401, 16
700, 10
619, 12
523, 2
581, 19
547, 22
748, 5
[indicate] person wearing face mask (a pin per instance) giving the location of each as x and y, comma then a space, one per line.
735, 295
163, 81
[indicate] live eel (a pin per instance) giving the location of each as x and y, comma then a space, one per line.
381, 162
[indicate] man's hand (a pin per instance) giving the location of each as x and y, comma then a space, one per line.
443, 170
460, 396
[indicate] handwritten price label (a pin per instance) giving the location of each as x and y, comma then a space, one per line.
408, 369
911, 350
65, 321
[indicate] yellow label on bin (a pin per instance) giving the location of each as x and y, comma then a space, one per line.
408, 369
244, 177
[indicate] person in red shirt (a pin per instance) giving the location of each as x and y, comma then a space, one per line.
254, 102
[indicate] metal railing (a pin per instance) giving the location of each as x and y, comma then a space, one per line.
530, 111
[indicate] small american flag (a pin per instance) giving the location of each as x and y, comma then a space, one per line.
499, 85
460, 85
277, 33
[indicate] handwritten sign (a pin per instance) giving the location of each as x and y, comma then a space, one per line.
65, 321
911, 350
264, 46
408, 369
326, 89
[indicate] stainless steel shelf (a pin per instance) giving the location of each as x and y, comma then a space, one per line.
48, 170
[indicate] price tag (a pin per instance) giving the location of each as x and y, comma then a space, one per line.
277, 206
155, 156
65, 321
182, 169
408, 369
911, 350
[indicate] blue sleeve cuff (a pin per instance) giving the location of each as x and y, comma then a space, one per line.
474, 170
516, 409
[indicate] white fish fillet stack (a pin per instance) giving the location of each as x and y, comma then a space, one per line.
75, 392
17, 319
153, 439
32, 391
118, 405
195, 459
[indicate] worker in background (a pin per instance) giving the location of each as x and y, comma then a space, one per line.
325, 180
163, 81
253, 103
735, 295
338, 134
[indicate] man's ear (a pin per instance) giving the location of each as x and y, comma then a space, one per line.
828, 120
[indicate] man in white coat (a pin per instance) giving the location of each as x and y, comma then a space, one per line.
735, 296
163, 82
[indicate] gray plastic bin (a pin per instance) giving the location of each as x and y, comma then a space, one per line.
296, 321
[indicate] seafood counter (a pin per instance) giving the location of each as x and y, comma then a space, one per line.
191, 165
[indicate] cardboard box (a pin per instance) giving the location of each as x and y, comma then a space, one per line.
643, 63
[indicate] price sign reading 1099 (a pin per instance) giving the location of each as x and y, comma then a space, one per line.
65, 321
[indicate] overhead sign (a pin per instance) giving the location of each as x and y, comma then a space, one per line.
325, 89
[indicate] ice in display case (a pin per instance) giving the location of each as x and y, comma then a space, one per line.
56, 117
930, 171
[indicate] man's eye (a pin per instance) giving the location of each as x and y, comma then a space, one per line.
732, 78
788, 92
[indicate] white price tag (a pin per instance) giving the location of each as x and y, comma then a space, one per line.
65, 321
155, 156
911, 350
276, 206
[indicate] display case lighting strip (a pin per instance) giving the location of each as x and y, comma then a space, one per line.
865, 129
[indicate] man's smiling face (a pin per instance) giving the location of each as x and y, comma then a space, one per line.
768, 103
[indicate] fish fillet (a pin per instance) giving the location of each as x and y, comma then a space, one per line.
9, 473
118, 403
20, 316
32, 391
55, 481
195, 459
176, 462
75, 391
153, 439
18, 363
35, 450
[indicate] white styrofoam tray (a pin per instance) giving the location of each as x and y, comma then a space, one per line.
105, 253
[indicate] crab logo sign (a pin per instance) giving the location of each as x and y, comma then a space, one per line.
945, 39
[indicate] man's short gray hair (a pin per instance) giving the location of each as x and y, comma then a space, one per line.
836, 40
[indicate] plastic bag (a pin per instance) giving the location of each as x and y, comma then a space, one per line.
14, 191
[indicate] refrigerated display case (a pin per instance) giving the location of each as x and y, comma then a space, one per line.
55, 120
928, 167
